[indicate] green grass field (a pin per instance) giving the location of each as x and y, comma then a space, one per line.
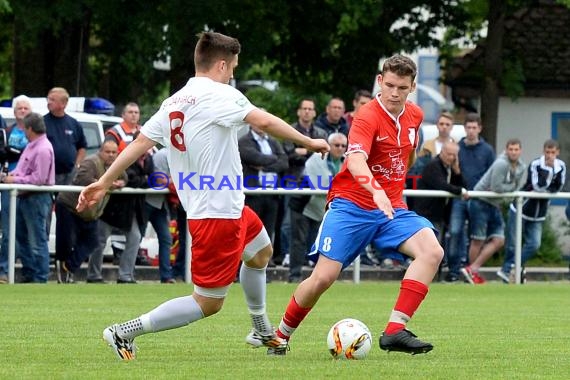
486, 332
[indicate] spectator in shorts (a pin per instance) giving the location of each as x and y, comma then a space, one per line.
486, 215
475, 157
546, 174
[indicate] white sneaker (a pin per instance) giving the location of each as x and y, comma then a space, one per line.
504, 277
286, 260
254, 339
125, 349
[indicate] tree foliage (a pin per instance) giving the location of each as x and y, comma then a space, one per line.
108, 47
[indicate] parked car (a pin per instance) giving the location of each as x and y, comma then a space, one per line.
429, 131
94, 125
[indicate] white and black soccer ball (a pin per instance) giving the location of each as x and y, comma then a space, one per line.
349, 339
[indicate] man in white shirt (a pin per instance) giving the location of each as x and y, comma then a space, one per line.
198, 125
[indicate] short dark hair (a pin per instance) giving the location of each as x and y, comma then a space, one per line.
306, 100
362, 93
447, 115
472, 116
129, 104
35, 122
551, 143
400, 65
513, 141
212, 47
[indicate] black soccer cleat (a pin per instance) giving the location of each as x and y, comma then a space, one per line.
404, 341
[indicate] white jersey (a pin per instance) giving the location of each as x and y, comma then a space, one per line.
198, 125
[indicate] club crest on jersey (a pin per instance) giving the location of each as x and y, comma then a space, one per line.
412, 135
242, 102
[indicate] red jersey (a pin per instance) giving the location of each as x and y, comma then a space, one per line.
387, 143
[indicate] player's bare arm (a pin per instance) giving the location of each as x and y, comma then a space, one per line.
361, 172
93, 193
279, 128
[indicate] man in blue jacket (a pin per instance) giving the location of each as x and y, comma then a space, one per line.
475, 157
332, 120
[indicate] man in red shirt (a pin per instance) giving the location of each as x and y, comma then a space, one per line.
366, 206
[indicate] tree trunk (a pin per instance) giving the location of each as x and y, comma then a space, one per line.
493, 69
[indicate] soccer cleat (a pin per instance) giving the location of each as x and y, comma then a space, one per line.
254, 339
275, 345
278, 351
466, 272
125, 349
257, 339
503, 276
404, 341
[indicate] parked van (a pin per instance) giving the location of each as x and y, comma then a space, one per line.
94, 124
429, 131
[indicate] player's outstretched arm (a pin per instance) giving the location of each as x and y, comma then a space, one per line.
279, 128
93, 193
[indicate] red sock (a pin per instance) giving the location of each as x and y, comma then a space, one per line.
294, 315
412, 293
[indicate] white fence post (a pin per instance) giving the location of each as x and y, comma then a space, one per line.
518, 241
12, 237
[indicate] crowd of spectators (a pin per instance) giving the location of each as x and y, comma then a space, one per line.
470, 230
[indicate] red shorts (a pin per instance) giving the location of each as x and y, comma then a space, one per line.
218, 245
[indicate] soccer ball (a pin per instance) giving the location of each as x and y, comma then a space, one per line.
349, 339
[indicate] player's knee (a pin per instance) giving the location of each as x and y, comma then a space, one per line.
322, 281
211, 308
261, 258
435, 254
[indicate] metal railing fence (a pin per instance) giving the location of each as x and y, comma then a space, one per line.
517, 196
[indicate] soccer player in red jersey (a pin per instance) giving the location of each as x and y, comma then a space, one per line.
365, 205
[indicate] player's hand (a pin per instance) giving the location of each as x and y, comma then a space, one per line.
383, 203
455, 167
318, 146
90, 196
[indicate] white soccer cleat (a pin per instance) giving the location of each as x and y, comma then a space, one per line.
125, 349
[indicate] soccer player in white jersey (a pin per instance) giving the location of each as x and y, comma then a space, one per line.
198, 125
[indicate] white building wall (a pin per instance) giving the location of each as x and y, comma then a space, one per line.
529, 119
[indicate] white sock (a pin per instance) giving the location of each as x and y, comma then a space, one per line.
253, 283
172, 314
286, 330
